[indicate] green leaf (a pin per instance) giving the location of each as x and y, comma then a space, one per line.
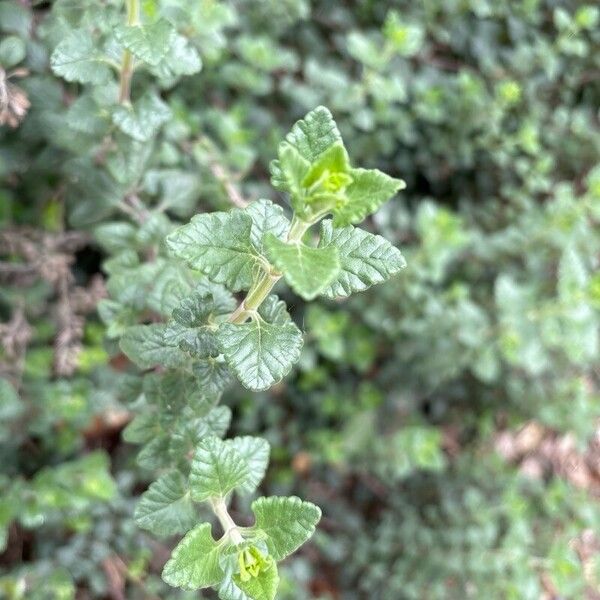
155, 454
333, 160
217, 468
287, 521
219, 245
142, 120
260, 353
310, 137
261, 587
365, 259
149, 43
166, 508
255, 451
315, 133
11, 406
289, 172
367, 192
267, 218
181, 59
191, 327
307, 270
194, 563
77, 59
145, 345
12, 51
141, 429
213, 375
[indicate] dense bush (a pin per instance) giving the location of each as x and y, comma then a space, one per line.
404, 419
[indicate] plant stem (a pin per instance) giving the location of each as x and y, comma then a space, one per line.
133, 17
266, 282
227, 523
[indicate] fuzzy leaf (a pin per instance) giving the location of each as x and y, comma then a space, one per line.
370, 188
365, 259
149, 43
77, 59
315, 133
255, 451
266, 218
166, 508
217, 468
219, 245
190, 327
307, 270
260, 353
145, 345
181, 59
213, 375
262, 587
142, 120
194, 563
310, 137
287, 521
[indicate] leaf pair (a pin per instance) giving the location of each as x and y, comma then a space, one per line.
313, 167
283, 523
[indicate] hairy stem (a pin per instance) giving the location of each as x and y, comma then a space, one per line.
227, 523
133, 17
266, 282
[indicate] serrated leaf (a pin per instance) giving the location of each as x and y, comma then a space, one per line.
260, 353
143, 119
287, 521
255, 451
145, 346
370, 188
194, 563
266, 218
155, 454
149, 43
213, 375
217, 468
181, 59
166, 508
219, 245
141, 429
307, 270
261, 587
190, 327
190, 432
289, 171
310, 137
77, 59
365, 259
315, 133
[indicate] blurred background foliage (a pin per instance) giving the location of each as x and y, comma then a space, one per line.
447, 422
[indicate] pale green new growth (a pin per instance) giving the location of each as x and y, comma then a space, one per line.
209, 336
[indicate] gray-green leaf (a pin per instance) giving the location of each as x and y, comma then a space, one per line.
77, 59
149, 43
255, 451
166, 508
219, 245
194, 563
142, 120
145, 345
307, 270
217, 468
287, 521
260, 353
365, 259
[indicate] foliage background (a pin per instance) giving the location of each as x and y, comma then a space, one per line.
446, 422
